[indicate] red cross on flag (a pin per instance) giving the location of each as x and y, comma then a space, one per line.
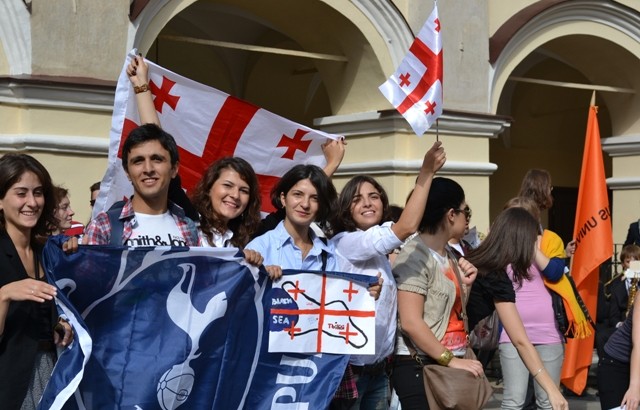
208, 124
415, 89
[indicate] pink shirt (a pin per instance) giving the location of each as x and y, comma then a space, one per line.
533, 302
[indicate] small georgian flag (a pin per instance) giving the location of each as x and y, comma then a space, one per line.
415, 89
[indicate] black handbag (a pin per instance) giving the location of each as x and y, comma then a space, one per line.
560, 314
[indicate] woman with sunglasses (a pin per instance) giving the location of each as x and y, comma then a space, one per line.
430, 295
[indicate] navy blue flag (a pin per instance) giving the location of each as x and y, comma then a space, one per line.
158, 328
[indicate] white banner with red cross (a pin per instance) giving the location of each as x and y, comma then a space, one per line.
321, 313
208, 124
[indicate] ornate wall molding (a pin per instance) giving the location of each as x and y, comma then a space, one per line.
57, 92
54, 144
625, 146
390, 121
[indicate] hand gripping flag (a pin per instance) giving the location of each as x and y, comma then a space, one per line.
207, 125
415, 89
594, 245
157, 328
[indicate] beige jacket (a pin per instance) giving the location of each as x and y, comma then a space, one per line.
416, 270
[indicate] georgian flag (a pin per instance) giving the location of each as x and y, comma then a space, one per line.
208, 124
415, 89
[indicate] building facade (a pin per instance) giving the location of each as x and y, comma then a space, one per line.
518, 78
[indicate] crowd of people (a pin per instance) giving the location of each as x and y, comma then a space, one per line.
425, 302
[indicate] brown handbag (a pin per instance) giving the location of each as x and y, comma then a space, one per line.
449, 388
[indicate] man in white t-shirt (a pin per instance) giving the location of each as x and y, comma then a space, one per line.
148, 218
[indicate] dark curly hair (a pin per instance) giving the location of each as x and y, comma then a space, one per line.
242, 226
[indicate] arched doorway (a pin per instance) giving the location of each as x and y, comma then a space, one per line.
538, 76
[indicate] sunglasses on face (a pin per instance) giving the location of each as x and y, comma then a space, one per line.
466, 210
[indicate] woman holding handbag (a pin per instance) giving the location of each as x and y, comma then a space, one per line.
512, 242
431, 297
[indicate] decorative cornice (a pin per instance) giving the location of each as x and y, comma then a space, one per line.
412, 167
390, 121
54, 143
625, 146
391, 25
623, 183
57, 92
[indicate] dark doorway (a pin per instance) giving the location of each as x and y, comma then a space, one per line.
562, 214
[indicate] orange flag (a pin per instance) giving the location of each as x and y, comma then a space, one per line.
594, 245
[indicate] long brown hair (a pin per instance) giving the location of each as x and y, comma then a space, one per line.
536, 185
12, 168
343, 219
511, 241
243, 226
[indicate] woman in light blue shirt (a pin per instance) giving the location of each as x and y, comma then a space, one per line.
306, 195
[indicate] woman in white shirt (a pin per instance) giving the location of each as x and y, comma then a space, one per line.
364, 237
227, 197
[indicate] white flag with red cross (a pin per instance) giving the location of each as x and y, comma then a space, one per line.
208, 124
415, 89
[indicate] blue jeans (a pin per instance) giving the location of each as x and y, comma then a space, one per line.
516, 375
374, 392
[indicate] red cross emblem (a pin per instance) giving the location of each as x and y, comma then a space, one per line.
404, 80
294, 144
293, 329
430, 108
351, 291
162, 95
296, 290
347, 333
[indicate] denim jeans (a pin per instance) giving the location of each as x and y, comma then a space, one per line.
516, 375
374, 392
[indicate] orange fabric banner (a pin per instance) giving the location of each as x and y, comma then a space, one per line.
594, 245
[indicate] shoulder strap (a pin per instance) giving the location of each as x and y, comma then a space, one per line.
117, 226
323, 254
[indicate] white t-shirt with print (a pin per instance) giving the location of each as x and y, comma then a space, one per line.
155, 230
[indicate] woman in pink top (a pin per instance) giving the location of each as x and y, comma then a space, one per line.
533, 302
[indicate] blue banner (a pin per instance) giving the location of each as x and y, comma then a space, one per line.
159, 328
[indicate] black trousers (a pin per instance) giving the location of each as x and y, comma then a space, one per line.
408, 382
613, 381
